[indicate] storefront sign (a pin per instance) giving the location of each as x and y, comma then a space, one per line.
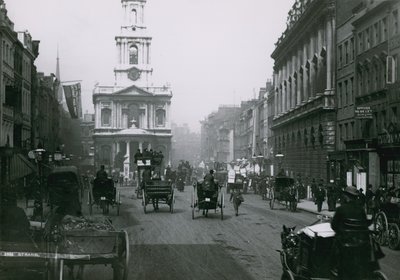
364, 112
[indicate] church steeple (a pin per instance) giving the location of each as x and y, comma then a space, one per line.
133, 46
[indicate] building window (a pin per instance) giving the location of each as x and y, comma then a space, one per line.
105, 117
133, 54
376, 33
340, 56
367, 39
394, 115
360, 42
384, 29
395, 15
160, 117
340, 92
346, 49
352, 49
346, 93
351, 90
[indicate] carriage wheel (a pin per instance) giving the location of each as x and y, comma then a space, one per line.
118, 202
120, 267
379, 275
287, 275
381, 228
394, 236
144, 201
171, 205
222, 205
90, 203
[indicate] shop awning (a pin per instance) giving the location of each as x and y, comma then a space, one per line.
20, 167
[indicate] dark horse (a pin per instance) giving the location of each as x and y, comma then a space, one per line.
290, 196
290, 243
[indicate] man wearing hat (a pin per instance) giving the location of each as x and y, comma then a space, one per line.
350, 209
331, 194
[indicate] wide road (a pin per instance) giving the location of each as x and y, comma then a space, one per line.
173, 246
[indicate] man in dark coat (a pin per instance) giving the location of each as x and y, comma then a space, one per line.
209, 182
331, 195
350, 223
320, 196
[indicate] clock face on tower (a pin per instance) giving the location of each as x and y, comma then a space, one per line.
134, 74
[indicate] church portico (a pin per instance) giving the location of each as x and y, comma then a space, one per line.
130, 114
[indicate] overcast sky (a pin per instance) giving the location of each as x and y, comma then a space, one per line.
211, 51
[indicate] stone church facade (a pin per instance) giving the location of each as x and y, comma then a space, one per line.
132, 114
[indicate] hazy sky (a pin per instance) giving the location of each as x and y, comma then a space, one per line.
211, 51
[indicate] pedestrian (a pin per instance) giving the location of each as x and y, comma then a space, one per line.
361, 198
237, 199
319, 195
331, 195
313, 189
369, 200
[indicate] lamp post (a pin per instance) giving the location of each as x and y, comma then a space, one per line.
37, 155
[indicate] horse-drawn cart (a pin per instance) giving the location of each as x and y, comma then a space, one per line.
158, 191
314, 253
207, 197
387, 222
104, 195
283, 190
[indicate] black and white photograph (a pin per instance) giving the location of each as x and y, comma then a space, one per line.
199, 139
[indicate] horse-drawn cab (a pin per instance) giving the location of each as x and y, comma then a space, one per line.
104, 194
207, 196
283, 190
66, 188
387, 220
315, 253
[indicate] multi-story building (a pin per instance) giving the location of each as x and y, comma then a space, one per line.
185, 145
17, 54
217, 134
46, 113
304, 81
131, 114
368, 93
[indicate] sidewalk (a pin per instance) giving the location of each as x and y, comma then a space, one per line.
310, 206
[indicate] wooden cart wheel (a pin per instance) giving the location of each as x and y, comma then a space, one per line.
379, 275
144, 201
118, 202
394, 236
287, 275
381, 228
121, 266
90, 202
171, 205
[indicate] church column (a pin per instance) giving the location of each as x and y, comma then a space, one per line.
127, 160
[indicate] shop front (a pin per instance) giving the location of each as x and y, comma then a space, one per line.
389, 153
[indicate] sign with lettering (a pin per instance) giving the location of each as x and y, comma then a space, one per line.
364, 112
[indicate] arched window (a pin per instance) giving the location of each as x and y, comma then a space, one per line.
134, 16
312, 136
105, 117
133, 54
160, 117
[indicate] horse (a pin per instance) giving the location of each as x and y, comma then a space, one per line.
290, 242
290, 196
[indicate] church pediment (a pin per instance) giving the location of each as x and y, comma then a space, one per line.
133, 90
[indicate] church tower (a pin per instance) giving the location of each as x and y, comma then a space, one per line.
133, 47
